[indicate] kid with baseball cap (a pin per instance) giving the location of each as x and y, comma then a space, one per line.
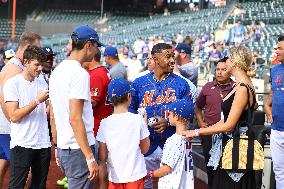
176, 170
123, 139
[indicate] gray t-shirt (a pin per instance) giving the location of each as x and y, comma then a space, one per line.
118, 71
189, 71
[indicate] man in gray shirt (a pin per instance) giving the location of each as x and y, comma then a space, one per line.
117, 69
186, 66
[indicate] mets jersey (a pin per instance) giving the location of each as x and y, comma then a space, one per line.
153, 95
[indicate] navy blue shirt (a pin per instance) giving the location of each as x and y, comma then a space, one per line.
277, 85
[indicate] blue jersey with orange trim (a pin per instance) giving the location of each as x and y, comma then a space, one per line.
153, 96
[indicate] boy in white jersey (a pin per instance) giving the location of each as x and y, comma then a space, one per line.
24, 97
123, 139
176, 171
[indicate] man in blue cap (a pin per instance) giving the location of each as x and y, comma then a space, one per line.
186, 66
117, 69
71, 111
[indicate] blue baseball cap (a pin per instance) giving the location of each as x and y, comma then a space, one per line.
118, 87
183, 48
110, 51
183, 108
85, 32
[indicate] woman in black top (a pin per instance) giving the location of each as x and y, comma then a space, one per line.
235, 108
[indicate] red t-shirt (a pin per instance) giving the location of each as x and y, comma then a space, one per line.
99, 80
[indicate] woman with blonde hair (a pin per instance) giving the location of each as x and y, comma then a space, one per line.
235, 107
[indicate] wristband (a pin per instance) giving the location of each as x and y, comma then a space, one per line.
150, 174
37, 102
196, 131
89, 161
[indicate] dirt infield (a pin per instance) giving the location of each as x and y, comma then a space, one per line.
55, 174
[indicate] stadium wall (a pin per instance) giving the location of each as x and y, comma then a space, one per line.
50, 28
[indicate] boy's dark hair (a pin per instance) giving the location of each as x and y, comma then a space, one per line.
158, 48
34, 52
119, 100
281, 38
27, 38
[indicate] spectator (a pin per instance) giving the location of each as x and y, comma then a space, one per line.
259, 33
138, 45
238, 32
186, 66
214, 56
134, 68
117, 69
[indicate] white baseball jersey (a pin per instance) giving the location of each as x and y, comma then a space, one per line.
177, 153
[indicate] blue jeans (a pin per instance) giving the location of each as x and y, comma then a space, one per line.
73, 164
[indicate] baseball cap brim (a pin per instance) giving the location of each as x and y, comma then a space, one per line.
100, 44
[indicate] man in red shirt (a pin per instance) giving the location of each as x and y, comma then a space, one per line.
102, 107
99, 80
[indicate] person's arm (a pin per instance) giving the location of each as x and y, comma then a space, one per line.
268, 107
103, 153
200, 103
171, 155
15, 113
52, 124
54, 133
144, 137
162, 171
200, 121
10, 71
134, 97
77, 124
239, 103
144, 145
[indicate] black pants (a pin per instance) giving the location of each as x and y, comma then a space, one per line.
207, 145
22, 159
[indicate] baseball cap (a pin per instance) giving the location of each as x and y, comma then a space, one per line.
183, 48
118, 87
111, 51
9, 53
183, 108
48, 51
85, 32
